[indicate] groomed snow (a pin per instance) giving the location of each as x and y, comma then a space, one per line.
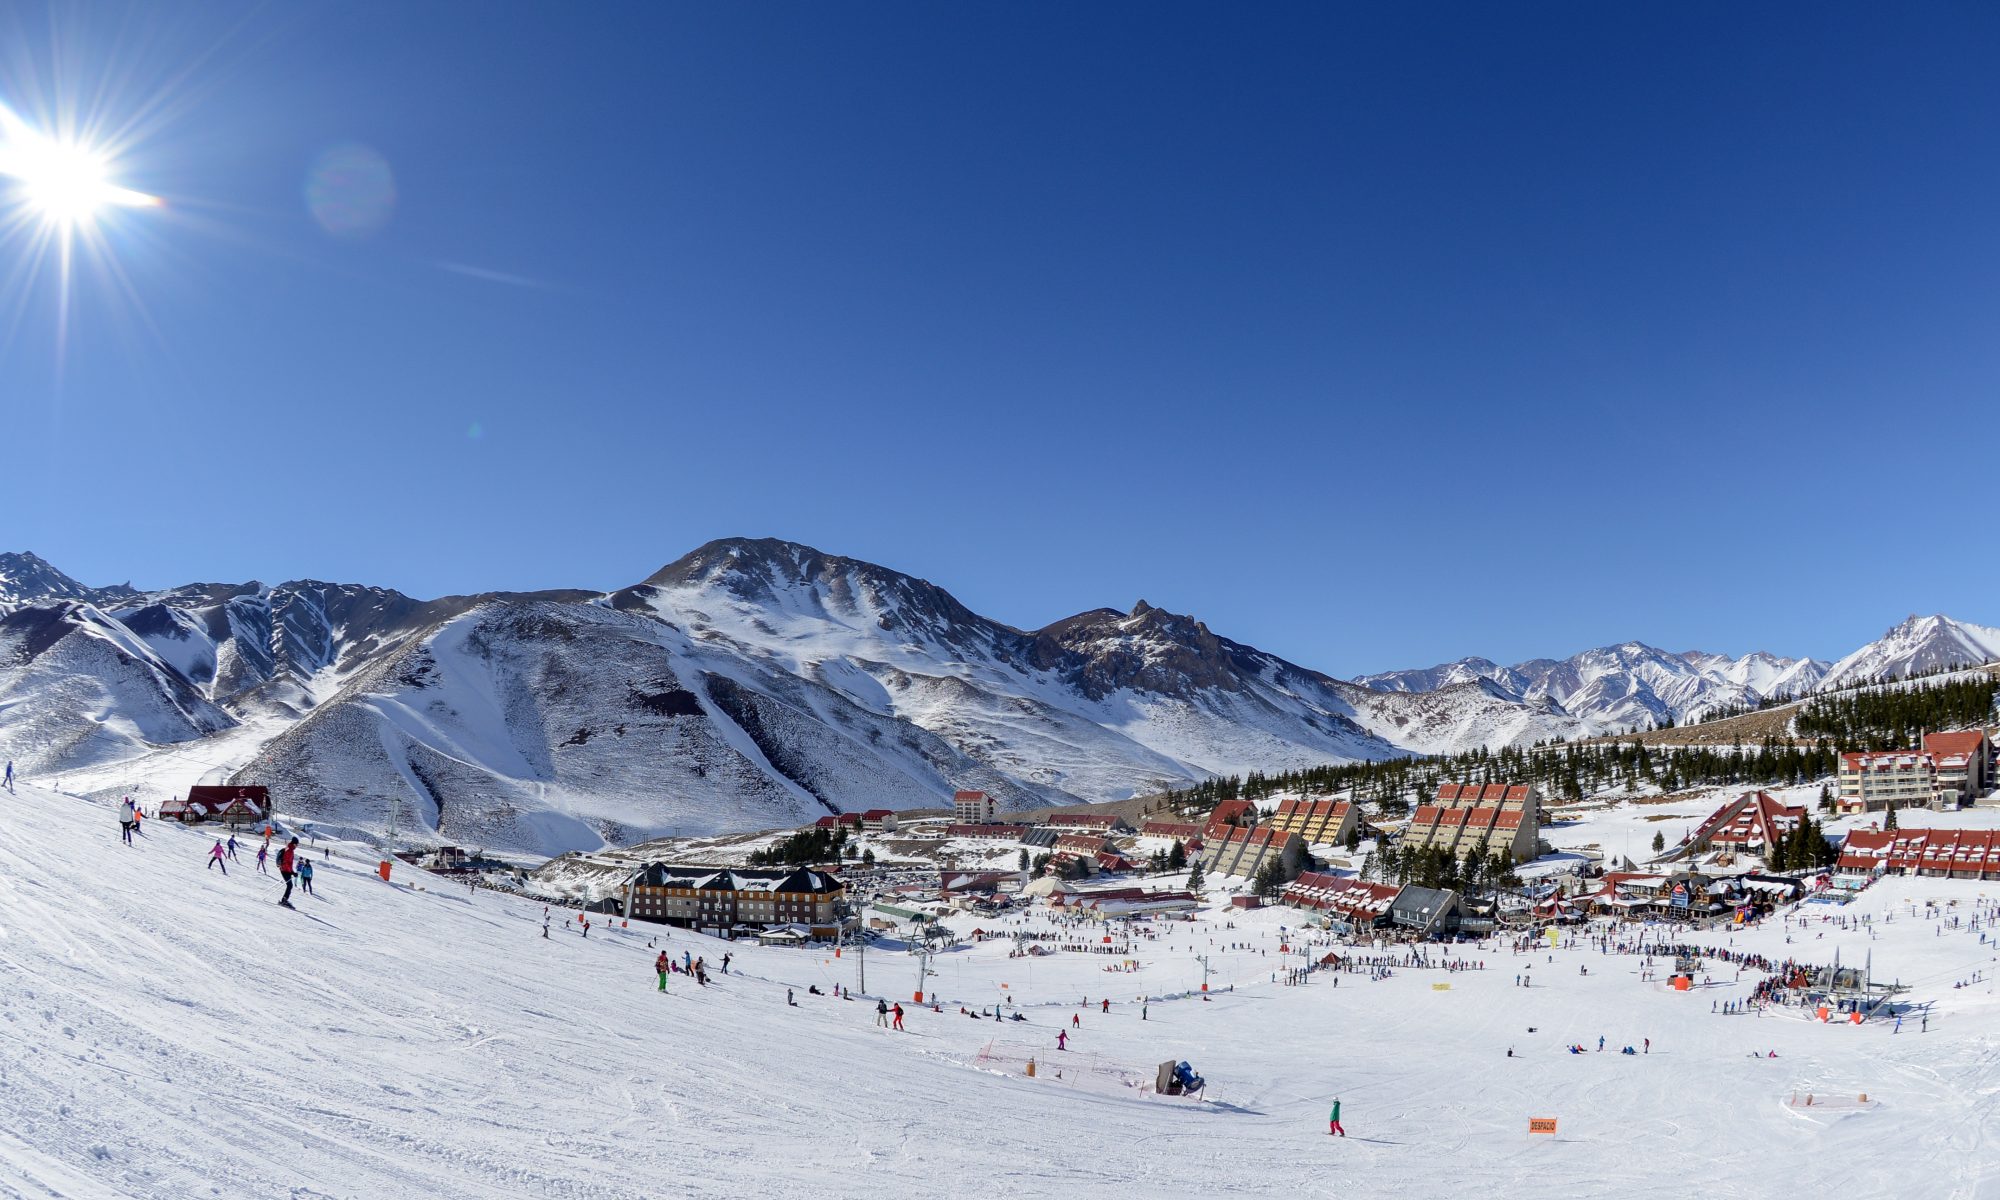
169, 1032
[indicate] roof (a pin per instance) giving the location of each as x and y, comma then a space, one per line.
1973, 851
1227, 811
876, 814
956, 797
736, 879
1886, 760
219, 794
1490, 793
1965, 742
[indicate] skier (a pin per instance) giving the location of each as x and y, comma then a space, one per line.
306, 875
287, 864
232, 847
898, 1026
263, 852
126, 820
882, 1013
10, 774
1062, 1039
215, 857
1107, 1006
725, 963
660, 969
1649, 1045
1333, 1120
1076, 1021
1600, 1043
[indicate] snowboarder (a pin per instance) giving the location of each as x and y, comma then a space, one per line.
898, 1026
215, 857
126, 820
1333, 1120
306, 875
287, 864
660, 969
882, 1013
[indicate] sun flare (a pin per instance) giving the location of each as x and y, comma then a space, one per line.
63, 183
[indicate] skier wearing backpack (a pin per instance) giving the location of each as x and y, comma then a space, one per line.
287, 864
898, 1026
126, 820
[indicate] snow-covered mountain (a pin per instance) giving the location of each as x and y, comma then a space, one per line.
1631, 685
1917, 645
751, 683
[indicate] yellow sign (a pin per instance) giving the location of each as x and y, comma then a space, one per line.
1541, 1125
1440, 987
1554, 935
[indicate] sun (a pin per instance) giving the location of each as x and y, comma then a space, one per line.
64, 184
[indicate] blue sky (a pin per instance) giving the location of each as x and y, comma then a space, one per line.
1372, 335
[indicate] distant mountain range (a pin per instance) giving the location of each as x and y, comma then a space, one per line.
755, 683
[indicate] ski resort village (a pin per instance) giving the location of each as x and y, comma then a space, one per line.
785, 873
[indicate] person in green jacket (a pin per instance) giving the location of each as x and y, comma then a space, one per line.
1333, 1119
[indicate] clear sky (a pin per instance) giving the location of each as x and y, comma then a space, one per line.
1374, 335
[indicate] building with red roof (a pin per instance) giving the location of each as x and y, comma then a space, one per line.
1751, 822
1243, 852
1942, 853
973, 808
1964, 762
882, 819
1348, 904
1469, 819
1878, 780
1319, 822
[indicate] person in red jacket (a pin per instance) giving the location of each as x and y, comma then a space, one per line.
288, 861
898, 1010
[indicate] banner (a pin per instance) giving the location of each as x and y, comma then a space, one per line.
1541, 1125
1440, 987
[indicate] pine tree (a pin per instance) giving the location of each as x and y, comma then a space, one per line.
1177, 856
1195, 878
1659, 841
1889, 821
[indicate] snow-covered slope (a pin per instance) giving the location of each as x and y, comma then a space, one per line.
1627, 686
168, 1032
77, 687
1918, 644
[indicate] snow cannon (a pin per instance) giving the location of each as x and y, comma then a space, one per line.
1177, 1079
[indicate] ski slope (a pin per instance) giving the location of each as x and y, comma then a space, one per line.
166, 1031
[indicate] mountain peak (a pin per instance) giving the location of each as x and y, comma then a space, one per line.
26, 577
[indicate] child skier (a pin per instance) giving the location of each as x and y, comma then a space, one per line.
306, 875
660, 968
263, 852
